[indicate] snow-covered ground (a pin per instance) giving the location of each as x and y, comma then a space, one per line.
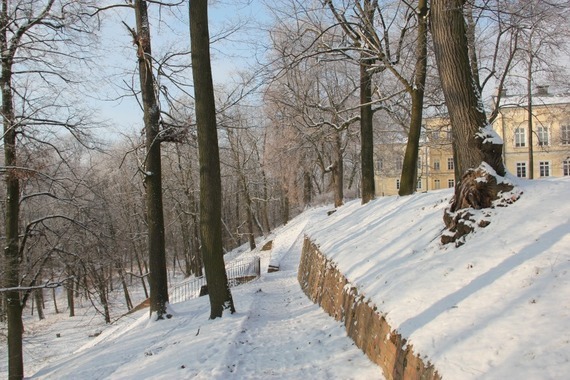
494, 308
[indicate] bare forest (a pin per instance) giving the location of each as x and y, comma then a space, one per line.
320, 88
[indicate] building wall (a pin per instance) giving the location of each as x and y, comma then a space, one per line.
551, 114
551, 118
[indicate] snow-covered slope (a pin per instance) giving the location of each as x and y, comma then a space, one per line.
494, 308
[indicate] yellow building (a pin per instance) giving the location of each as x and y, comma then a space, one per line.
550, 132
550, 144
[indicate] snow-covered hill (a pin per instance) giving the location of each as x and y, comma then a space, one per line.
494, 308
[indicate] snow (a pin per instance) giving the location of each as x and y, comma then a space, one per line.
495, 308
489, 136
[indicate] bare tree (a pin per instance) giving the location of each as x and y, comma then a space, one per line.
36, 39
477, 149
152, 164
209, 157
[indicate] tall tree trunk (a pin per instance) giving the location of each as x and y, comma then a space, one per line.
366, 133
473, 144
153, 168
197, 262
529, 110
70, 299
54, 296
121, 272
186, 242
338, 171
209, 157
39, 298
408, 181
249, 221
307, 189
285, 206
12, 208
265, 205
476, 147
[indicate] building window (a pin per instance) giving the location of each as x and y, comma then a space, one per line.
566, 167
449, 135
436, 165
565, 135
521, 169
543, 136
398, 184
419, 185
437, 183
450, 164
544, 167
399, 163
435, 135
520, 137
450, 183
379, 165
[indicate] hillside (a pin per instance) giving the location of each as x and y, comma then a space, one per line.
493, 308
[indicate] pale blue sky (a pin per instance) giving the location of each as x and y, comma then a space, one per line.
170, 32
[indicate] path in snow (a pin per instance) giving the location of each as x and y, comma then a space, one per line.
285, 335
277, 332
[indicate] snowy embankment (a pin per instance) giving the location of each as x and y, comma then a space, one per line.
495, 308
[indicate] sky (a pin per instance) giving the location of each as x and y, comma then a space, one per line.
170, 32
495, 308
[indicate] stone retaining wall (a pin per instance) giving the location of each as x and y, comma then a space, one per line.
325, 285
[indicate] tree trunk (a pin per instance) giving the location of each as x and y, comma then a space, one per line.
12, 208
338, 171
208, 151
529, 110
121, 273
197, 262
186, 242
70, 300
472, 139
477, 150
285, 207
366, 133
38, 296
153, 168
307, 189
249, 216
54, 296
265, 205
408, 181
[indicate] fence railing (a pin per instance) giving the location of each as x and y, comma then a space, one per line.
238, 271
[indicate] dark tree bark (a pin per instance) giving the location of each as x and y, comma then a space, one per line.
472, 142
158, 278
209, 157
70, 299
12, 205
39, 298
366, 133
477, 151
408, 181
338, 171
307, 189
366, 114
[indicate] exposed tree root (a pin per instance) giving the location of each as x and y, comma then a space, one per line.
480, 189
